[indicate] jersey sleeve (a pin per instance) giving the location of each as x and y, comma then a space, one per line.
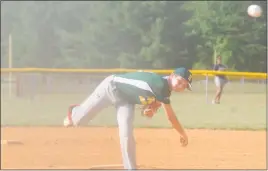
166, 100
165, 97
161, 89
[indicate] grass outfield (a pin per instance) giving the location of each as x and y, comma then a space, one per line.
237, 111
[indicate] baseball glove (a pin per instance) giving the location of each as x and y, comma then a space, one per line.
151, 109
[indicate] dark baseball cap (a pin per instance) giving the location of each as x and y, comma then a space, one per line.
186, 74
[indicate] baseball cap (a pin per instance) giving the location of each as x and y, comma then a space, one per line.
186, 74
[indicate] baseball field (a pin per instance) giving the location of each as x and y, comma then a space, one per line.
231, 135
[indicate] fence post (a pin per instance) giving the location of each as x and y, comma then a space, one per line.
243, 80
207, 88
10, 65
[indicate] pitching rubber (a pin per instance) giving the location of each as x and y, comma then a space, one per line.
118, 166
111, 166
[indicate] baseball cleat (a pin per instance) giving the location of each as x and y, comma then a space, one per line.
214, 102
68, 119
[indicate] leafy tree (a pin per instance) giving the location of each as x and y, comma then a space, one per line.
226, 30
133, 34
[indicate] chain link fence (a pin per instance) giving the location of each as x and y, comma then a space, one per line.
35, 84
43, 98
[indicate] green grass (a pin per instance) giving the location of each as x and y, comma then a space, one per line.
237, 110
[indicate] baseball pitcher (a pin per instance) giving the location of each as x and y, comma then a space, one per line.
124, 91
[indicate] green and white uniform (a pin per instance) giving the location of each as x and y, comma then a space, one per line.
142, 88
124, 91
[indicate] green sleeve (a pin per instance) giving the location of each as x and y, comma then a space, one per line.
166, 100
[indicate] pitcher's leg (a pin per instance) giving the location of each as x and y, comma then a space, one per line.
83, 113
125, 117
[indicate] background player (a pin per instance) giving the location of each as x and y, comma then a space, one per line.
124, 91
220, 80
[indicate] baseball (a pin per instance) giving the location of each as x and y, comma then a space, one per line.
254, 11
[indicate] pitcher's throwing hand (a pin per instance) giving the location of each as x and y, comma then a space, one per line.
124, 91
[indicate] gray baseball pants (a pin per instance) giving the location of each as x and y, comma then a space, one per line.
103, 96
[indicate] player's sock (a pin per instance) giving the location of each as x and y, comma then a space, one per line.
77, 114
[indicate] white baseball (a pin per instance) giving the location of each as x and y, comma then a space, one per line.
254, 11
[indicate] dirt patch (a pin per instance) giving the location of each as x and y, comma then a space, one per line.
82, 148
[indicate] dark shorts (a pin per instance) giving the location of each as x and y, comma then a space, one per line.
220, 82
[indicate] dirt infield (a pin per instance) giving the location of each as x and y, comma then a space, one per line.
81, 148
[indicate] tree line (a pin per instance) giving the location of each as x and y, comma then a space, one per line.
133, 34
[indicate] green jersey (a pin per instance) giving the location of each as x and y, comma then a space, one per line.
142, 87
